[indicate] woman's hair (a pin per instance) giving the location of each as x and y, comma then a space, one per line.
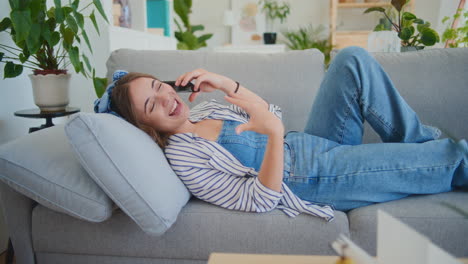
122, 105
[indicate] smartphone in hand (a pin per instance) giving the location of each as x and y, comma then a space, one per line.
179, 88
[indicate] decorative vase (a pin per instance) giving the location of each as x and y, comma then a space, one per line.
269, 37
51, 91
411, 48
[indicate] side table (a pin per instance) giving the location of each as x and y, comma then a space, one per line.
37, 113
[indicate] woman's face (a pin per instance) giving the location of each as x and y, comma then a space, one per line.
157, 105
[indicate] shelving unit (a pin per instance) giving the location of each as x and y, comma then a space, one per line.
139, 36
342, 39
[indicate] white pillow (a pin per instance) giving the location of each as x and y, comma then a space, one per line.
43, 167
130, 167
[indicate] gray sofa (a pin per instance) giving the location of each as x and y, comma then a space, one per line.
434, 82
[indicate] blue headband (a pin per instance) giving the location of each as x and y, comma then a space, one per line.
103, 104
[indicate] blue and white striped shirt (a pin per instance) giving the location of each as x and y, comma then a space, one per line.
214, 175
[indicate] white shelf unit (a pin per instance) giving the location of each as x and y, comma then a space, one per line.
138, 37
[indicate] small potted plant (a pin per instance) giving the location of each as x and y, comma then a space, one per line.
273, 11
414, 32
46, 42
187, 40
456, 37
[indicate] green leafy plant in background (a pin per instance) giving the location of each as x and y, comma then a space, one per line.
274, 11
309, 38
411, 36
187, 40
46, 38
384, 23
457, 37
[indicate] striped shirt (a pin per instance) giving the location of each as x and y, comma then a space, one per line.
213, 174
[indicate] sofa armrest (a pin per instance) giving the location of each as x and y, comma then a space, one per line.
17, 210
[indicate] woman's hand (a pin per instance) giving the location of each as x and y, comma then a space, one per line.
261, 119
205, 81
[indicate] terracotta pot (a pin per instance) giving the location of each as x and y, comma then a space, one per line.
51, 91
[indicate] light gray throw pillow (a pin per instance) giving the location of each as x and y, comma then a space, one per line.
130, 167
43, 167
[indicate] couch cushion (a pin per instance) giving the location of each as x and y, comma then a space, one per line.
130, 167
426, 214
434, 83
201, 228
288, 79
42, 166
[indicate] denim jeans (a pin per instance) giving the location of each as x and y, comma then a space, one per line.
328, 164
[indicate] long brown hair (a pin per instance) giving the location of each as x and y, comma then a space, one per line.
122, 105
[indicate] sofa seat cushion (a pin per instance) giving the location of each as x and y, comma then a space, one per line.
201, 228
43, 167
427, 214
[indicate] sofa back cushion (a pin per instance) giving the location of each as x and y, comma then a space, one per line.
130, 167
434, 82
289, 79
43, 167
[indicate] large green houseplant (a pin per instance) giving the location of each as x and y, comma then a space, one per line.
273, 11
413, 31
187, 40
309, 38
47, 40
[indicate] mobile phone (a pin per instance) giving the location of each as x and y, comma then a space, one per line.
179, 88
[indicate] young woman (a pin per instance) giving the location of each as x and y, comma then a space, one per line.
237, 156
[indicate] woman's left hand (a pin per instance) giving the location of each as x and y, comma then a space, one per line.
204, 81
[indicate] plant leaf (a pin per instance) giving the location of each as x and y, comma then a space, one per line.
98, 5
85, 36
79, 19
93, 19
74, 53
6, 23
182, 10
21, 21
408, 16
99, 84
72, 24
33, 40
86, 60
23, 58
12, 70
58, 11
68, 36
406, 33
398, 4
204, 38
55, 38
1, 55
197, 28
375, 9
429, 37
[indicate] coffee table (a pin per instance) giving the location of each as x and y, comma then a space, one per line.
230, 258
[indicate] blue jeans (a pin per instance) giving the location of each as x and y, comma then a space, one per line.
328, 164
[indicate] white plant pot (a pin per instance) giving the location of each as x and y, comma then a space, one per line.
51, 91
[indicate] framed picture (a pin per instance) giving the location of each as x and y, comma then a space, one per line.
249, 24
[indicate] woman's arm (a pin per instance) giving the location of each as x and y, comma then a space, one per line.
264, 122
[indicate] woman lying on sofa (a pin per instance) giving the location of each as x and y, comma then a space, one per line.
237, 156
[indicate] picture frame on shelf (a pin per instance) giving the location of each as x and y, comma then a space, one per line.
249, 23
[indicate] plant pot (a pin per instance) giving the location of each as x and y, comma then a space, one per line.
51, 91
411, 48
269, 37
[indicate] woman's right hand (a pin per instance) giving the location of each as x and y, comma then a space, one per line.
205, 81
261, 119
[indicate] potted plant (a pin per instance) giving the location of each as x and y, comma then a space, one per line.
187, 40
273, 11
309, 38
45, 40
458, 36
412, 38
